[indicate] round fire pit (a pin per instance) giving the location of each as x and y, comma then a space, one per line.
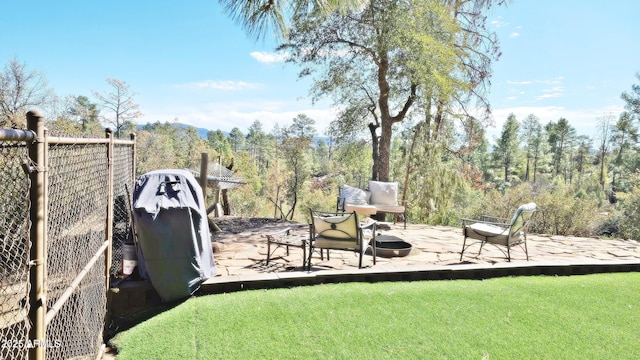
392, 246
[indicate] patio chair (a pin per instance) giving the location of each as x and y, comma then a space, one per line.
500, 232
341, 231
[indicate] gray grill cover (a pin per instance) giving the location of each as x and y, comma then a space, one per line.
174, 243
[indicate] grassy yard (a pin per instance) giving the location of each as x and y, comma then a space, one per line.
578, 317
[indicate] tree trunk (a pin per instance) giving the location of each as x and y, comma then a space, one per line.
535, 167
602, 169
386, 119
506, 172
375, 149
438, 120
416, 133
612, 196
226, 207
384, 151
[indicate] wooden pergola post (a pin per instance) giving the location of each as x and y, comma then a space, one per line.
204, 165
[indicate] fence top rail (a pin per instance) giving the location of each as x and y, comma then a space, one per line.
80, 141
72, 141
17, 135
124, 142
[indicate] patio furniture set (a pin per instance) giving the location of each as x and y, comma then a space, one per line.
349, 228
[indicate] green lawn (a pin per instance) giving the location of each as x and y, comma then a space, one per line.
578, 317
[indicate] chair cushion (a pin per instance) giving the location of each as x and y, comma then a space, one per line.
383, 193
328, 243
353, 195
361, 209
488, 229
526, 207
492, 234
391, 209
336, 227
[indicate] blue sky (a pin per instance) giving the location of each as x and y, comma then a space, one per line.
187, 60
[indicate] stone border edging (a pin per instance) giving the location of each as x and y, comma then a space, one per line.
225, 284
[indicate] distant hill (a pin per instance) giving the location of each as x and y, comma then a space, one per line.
202, 132
325, 139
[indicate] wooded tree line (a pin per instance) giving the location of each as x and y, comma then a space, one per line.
409, 80
581, 187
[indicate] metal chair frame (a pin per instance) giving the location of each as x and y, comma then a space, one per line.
336, 235
513, 232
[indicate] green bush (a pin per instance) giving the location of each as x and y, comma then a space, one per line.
560, 211
245, 203
629, 215
504, 204
317, 199
609, 226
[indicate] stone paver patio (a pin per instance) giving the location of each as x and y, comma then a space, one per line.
244, 254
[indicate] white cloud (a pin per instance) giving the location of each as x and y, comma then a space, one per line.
499, 22
514, 34
554, 92
265, 57
548, 96
584, 120
220, 85
228, 115
552, 81
511, 82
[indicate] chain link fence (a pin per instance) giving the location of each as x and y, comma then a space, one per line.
14, 249
78, 190
123, 182
85, 186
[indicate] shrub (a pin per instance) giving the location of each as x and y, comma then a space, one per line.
609, 226
318, 199
564, 215
629, 217
560, 211
245, 203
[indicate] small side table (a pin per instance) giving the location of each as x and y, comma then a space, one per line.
284, 238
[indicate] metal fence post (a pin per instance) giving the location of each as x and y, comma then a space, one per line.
37, 236
109, 224
108, 258
133, 157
